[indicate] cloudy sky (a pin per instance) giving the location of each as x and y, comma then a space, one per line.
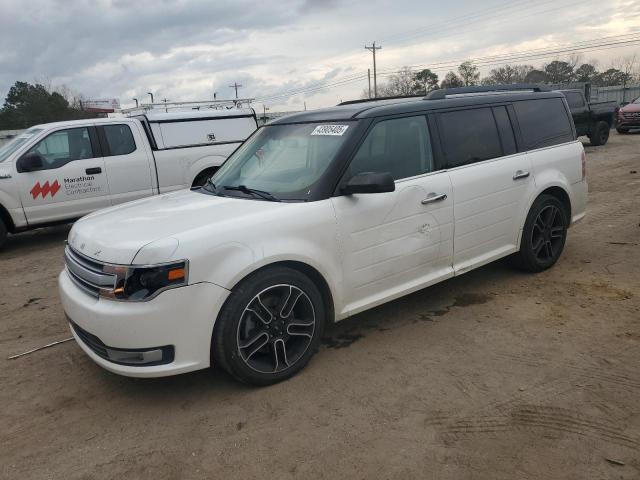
187, 49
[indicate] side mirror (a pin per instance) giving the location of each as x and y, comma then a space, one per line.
30, 162
369, 182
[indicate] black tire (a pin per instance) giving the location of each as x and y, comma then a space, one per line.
202, 177
544, 234
261, 353
600, 134
3, 233
622, 131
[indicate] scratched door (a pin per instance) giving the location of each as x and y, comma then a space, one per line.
72, 181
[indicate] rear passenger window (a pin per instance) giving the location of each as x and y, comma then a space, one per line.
543, 122
119, 139
400, 146
469, 136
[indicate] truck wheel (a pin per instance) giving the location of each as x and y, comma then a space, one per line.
269, 327
544, 234
3, 233
203, 176
600, 134
622, 131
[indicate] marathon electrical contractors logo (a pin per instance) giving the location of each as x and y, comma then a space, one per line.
72, 187
45, 189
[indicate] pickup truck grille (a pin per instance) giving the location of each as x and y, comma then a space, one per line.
88, 274
631, 115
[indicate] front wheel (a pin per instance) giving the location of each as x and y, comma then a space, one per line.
544, 234
600, 134
269, 327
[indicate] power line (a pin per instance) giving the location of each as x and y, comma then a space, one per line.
586, 45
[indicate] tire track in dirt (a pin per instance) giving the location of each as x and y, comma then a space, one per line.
531, 417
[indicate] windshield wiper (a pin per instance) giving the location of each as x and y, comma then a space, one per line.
210, 186
252, 191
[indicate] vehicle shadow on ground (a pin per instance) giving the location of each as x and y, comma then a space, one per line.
425, 305
27, 242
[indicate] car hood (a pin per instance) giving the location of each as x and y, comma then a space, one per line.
118, 234
631, 107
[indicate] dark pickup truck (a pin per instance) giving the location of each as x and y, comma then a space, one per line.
591, 119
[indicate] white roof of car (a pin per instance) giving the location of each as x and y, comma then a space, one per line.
153, 116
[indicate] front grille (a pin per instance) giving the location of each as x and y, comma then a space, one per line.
108, 353
88, 274
631, 115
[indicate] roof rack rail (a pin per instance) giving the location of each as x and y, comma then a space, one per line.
444, 93
365, 100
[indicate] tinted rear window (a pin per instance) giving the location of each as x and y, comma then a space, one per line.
469, 136
543, 122
574, 99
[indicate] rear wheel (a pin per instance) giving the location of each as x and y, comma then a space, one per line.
3, 233
600, 134
269, 327
622, 131
544, 234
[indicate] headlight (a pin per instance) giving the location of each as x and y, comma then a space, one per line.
143, 283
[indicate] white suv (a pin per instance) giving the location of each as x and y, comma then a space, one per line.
319, 216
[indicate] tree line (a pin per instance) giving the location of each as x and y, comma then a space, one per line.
27, 105
409, 82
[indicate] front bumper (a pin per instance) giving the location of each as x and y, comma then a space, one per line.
180, 318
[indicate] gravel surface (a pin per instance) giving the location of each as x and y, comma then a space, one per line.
495, 374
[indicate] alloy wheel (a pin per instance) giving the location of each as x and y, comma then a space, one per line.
548, 234
276, 328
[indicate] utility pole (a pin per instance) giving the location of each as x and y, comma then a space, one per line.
149, 93
236, 86
369, 75
305, 106
373, 49
165, 100
264, 113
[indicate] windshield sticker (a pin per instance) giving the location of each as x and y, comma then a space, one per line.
334, 130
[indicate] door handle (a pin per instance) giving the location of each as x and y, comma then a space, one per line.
520, 174
93, 171
432, 197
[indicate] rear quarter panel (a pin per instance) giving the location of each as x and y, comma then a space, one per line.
560, 166
177, 167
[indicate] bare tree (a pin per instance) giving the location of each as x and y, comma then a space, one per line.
451, 80
400, 83
469, 73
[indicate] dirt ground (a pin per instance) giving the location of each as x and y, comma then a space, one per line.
492, 375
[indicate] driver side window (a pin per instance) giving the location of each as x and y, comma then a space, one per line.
400, 146
64, 146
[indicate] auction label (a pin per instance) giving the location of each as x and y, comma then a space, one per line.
334, 130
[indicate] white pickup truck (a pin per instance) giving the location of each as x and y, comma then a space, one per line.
58, 172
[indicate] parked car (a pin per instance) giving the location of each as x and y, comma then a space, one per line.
593, 119
316, 217
629, 117
58, 172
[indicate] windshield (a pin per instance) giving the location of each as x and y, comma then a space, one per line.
283, 160
17, 142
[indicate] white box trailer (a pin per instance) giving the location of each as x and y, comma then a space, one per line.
58, 172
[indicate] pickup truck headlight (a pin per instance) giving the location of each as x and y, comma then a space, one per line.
143, 283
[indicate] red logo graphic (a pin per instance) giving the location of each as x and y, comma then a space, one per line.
45, 189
